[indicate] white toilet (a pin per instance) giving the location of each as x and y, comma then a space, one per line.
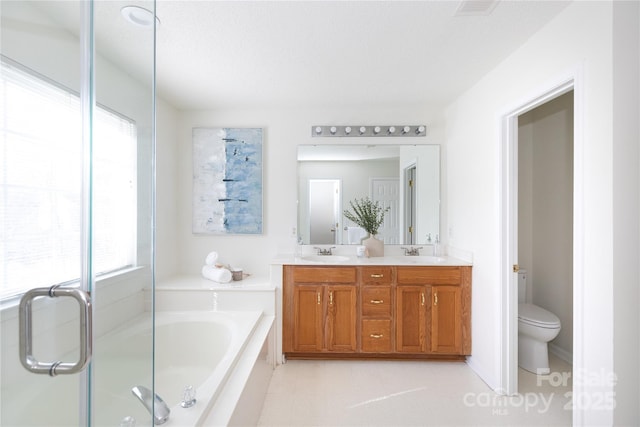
536, 327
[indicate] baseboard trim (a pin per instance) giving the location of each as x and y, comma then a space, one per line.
561, 353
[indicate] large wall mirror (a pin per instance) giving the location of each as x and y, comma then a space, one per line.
405, 178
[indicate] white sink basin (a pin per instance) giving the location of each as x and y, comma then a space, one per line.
331, 259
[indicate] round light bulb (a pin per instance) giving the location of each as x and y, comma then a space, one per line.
362, 130
333, 130
392, 129
420, 129
347, 130
406, 129
318, 130
139, 16
376, 130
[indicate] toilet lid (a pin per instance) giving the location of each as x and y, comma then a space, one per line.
537, 316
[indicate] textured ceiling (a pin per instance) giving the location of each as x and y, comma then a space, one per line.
239, 54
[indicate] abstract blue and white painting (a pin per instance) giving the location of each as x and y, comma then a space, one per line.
227, 180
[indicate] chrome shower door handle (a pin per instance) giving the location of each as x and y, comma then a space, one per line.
26, 332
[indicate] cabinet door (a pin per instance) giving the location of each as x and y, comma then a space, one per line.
446, 315
376, 335
307, 318
411, 319
340, 320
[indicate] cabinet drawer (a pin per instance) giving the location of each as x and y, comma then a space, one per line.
429, 275
376, 335
376, 275
376, 301
324, 275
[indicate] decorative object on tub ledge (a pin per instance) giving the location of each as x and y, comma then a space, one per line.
215, 271
227, 180
211, 258
236, 274
364, 131
370, 216
217, 274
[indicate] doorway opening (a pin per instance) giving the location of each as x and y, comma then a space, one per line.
410, 205
517, 254
386, 192
545, 225
325, 204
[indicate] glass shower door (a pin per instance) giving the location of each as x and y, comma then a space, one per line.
123, 209
76, 214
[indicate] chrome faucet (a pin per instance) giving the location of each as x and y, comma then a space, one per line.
154, 404
411, 251
323, 251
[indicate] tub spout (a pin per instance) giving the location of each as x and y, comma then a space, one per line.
154, 404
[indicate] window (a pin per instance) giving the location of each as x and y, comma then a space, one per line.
41, 184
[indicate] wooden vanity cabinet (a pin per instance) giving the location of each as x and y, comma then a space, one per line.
433, 310
319, 309
376, 321
377, 311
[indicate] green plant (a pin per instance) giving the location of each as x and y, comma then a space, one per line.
367, 214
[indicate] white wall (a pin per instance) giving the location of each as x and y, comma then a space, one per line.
167, 210
579, 40
545, 212
283, 131
626, 212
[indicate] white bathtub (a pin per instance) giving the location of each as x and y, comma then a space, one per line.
206, 350
223, 355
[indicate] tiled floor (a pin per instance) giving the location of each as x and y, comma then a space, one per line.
409, 393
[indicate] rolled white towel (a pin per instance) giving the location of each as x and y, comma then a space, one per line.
211, 258
220, 275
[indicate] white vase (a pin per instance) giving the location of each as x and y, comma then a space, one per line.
374, 246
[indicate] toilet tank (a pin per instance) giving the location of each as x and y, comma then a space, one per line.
522, 286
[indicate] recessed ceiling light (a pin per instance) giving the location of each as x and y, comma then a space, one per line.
139, 16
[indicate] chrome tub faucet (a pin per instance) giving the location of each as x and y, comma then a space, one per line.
154, 404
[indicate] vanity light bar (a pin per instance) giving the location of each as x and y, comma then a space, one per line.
364, 131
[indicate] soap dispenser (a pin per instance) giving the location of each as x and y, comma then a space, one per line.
297, 248
436, 246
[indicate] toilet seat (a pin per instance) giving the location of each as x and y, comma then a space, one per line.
537, 316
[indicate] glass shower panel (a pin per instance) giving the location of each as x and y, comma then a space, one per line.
40, 205
123, 195
41, 208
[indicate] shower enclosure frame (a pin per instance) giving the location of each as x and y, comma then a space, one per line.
86, 380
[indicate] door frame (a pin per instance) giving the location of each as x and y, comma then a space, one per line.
572, 80
409, 204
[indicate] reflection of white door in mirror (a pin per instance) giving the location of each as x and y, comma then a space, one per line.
409, 225
324, 211
386, 191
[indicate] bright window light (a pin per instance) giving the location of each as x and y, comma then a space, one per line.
41, 183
